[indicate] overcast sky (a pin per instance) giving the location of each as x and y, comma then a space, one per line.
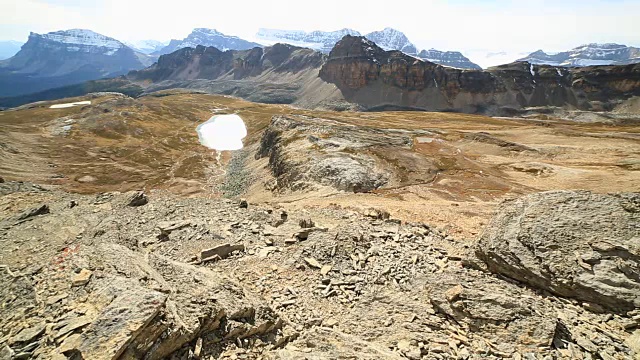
514, 26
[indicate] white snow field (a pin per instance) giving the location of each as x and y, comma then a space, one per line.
68, 105
222, 132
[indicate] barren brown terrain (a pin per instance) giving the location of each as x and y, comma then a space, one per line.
474, 162
330, 235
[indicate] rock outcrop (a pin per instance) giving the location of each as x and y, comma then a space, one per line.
346, 157
575, 244
210, 63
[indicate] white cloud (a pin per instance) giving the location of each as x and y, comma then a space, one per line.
465, 25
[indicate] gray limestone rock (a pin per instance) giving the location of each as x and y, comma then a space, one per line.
571, 243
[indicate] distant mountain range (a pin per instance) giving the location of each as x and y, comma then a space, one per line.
387, 39
359, 75
453, 59
322, 41
587, 55
208, 37
66, 57
9, 48
147, 46
74, 56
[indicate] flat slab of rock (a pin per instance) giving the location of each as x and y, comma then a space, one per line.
572, 243
29, 334
108, 336
82, 278
220, 252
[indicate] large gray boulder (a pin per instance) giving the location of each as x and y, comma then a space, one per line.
571, 243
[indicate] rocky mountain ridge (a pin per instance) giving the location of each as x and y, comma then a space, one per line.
374, 78
388, 39
358, 74
587, 55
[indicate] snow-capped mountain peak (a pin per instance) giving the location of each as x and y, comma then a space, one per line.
208, 37
206, 31
82, 40
392, 39
318, 40
147, 46
448, 58
588, 54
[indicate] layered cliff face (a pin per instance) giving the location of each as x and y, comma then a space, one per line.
281, 73
211, 64
374, 78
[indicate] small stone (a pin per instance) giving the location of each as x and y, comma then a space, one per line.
287, 303
220, 252
243, 204
73, 325
264, 252
331, 322
71, 343
268, 242
137, 198
633, 342
6, 353
54, 299
198, 349
82, 278
325, 269
42, 210
593, 307
304, 233
454, 293
86, 179
629, 324
404, 345
313, 262
306, 223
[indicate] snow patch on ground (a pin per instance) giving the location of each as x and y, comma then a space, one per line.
222, 132
68, 105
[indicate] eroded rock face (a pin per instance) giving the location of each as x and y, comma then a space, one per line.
210, 63
374, 78
309, 152
572, 243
